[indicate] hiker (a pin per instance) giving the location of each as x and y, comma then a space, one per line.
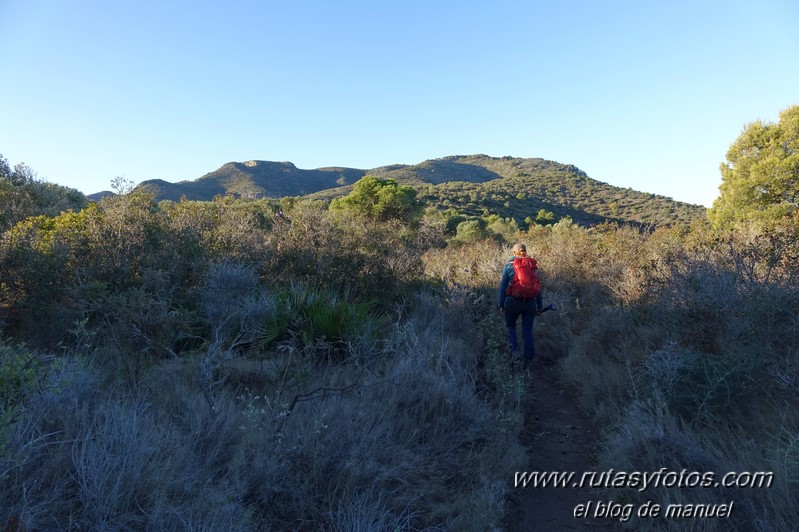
520, 294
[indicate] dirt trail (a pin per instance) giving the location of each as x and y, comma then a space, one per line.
558, 438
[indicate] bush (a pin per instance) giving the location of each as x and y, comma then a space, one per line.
20, 371
380, 199
398, 439
321, 319
701, 387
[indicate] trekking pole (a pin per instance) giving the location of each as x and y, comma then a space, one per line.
547, 308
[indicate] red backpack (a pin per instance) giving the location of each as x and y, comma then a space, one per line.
525, 283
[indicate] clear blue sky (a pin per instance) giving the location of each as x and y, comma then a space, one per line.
638, 94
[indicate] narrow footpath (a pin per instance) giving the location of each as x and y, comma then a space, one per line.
558, 438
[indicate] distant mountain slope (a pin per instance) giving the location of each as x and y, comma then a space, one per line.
254, 179
519, 188
472, 184
470, 169
529, 185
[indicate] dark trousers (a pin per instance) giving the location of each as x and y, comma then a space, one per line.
527, 310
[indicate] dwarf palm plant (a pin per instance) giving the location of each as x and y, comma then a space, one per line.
310, 316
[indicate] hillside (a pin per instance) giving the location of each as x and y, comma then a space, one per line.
254, 179
528, 185
223, 365
519, 188
473, 184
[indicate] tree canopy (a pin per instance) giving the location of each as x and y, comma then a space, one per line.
760, 178
380, 199
23, 194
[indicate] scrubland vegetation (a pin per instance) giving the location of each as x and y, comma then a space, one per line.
475, 186
208, 365
682, 345
205, 365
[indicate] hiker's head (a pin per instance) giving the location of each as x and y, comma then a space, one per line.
519, 250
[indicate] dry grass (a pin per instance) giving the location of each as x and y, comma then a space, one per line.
409, 446
683, 343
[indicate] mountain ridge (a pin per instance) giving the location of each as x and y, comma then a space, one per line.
473, 184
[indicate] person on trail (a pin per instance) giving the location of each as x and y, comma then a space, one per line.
520, 294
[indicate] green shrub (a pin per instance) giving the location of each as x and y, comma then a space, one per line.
470, 231
380, 199
703, 387
19, 372
319, 317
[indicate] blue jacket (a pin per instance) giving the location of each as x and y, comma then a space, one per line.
507, 276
